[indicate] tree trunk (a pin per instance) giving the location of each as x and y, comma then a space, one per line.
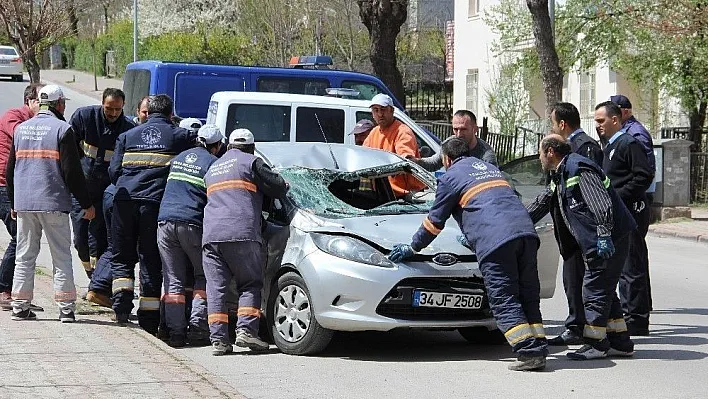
551, 72
30, 60
383, 20
697, 118
73, 19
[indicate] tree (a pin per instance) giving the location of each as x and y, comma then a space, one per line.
33, 26
383, 20
551, 72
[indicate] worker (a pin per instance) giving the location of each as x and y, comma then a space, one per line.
43, 172
139, 170
392, 135
565, 121
141, 113
464, 126
498, 228
590, 219
96, 127
99, 289
361, 131
232, 242
179, 237
630, 171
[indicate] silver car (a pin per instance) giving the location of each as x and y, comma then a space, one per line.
11, 63
327, 244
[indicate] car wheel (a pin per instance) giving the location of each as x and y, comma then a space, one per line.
481, 335
295, 329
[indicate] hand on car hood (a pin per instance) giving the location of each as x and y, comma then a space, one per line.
388, 230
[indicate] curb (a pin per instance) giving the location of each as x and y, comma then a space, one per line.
680, 235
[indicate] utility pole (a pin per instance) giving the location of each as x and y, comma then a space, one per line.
135, 30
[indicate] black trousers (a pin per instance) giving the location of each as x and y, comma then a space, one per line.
634, 282
573, 272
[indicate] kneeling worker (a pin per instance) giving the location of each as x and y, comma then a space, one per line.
589, 217
497, 227
235, 186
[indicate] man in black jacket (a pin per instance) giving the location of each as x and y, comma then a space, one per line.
565, 121
628, 168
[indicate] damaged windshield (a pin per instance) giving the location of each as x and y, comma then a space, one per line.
336, 194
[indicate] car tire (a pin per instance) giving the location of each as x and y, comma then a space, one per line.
294, 327
482, 335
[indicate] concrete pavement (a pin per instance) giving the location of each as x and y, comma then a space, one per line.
694, 229
79, 81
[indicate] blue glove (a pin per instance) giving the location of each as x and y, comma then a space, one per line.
400, 252
463, 240
605, 247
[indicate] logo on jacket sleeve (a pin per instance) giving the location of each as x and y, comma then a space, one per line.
151, 135
191, 158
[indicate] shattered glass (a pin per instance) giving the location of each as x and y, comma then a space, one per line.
310, 190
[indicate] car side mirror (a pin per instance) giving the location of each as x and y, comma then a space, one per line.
425, 151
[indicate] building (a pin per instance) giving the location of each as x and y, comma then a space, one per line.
426, 14
476, 68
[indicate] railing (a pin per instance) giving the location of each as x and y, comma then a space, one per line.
699, 177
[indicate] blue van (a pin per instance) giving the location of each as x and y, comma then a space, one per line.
191, 85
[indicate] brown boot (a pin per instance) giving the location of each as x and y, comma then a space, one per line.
99, 299
5, 301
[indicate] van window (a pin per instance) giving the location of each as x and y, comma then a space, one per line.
136, 85
193, 91
266, 122
367, 91
293, 85
308, 127
364, 115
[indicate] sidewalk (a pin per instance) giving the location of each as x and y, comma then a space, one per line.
80, 81
92, 358
694, 230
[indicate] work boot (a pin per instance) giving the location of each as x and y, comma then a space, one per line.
99, 299
219, 348
637, 331
23, 315
588, 352
245, 339
6, 300
528, 363
568, 337
197, 336
122, 319
176, 341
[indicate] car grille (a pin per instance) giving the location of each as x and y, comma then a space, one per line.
397, 304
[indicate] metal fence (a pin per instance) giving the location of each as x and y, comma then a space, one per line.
429, 100
507, 146
699, 177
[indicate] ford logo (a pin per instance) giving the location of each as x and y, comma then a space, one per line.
445, 259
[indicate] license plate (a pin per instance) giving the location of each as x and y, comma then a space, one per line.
446, 300
4, 61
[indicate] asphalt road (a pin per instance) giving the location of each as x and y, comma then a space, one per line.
670, 363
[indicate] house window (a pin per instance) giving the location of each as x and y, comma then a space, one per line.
472, 90
473, 9
587, 93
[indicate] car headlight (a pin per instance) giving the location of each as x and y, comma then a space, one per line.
350, 249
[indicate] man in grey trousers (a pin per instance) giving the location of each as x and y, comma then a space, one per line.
43, 172
236, 186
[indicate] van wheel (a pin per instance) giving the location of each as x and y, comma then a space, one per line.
295, 329
482, 336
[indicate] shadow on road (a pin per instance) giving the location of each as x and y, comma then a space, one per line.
688, 311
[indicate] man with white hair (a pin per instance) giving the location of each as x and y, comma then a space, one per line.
232, 243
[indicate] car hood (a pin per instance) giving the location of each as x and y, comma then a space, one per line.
389, 230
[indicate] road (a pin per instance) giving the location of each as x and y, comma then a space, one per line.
671, 363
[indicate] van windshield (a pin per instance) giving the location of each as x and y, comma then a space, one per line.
136, 85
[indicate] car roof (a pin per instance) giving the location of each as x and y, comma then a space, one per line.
3, 46
256, 97
349, 157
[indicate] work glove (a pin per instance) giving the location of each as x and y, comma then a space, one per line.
463, 240
605, 247
401, 252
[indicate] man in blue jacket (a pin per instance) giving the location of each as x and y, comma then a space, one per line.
96, 127
589, 215
497, 227
139, 170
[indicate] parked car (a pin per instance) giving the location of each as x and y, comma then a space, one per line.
327, 268
11, 63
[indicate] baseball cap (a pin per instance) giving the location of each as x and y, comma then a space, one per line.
382, 100
621, 101
192, 124
362, 126
241, 136
50, 93
210, 134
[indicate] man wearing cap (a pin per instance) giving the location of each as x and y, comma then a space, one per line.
43, 172
8, 123
191, 124
630, 173
464, 126
96, 128
361, 131
393, 136
139, 170
232, 243
179, 237
632, 290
